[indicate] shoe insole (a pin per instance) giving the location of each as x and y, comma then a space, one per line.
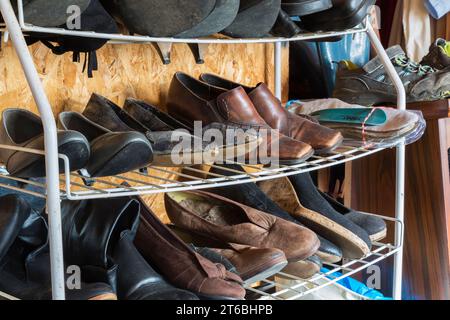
210, 209
359, 116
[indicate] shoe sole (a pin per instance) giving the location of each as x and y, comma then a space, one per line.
328, 258
352, 246
166, 160
379, 235
267, 272
310, 269
368, 98
104, 297
293, 162
330, 149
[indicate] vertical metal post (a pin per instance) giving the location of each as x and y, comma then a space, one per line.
400, 182
278, 69
51, 149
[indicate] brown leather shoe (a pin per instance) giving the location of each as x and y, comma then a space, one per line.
180, 264
252, 264
321, 138
213, 216
193, 100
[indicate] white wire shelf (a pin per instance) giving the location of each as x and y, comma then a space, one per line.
215, 39
155, 180
288, 287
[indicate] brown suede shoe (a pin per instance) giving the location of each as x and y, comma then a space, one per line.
252, 264
228, 221
321, 138
180, 265
192, 100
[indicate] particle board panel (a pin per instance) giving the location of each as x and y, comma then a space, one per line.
130, 71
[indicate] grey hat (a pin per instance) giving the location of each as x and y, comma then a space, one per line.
163, 18
255, 19
50, 13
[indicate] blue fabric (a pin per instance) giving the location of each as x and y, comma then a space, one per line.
355, 48
357, 286
37, 203
437, 8
318, 61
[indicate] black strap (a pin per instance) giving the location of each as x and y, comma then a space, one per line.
91, 62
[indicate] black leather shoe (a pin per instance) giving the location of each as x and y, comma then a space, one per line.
167, 149
250, 195
345, 14
25, 260
21, 128
98, 236
375, 227
110, 151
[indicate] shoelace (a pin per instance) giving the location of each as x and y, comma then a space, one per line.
413, 67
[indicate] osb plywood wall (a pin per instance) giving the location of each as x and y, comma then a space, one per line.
129, 70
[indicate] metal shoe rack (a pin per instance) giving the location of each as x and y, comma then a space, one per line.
70, 186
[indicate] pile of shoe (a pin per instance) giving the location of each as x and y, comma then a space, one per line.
286, 224
107, 140
220, 240
98, 239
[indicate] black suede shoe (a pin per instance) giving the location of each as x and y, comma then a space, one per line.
375, 227
250, 195
98, 235
21, 128
25, 260
110, 151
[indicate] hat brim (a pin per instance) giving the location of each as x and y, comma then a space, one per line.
47, 13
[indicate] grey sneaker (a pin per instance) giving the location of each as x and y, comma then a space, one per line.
439, 55
371, 85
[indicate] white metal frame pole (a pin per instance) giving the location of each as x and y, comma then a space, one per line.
278, 69
51, 149
401, 150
